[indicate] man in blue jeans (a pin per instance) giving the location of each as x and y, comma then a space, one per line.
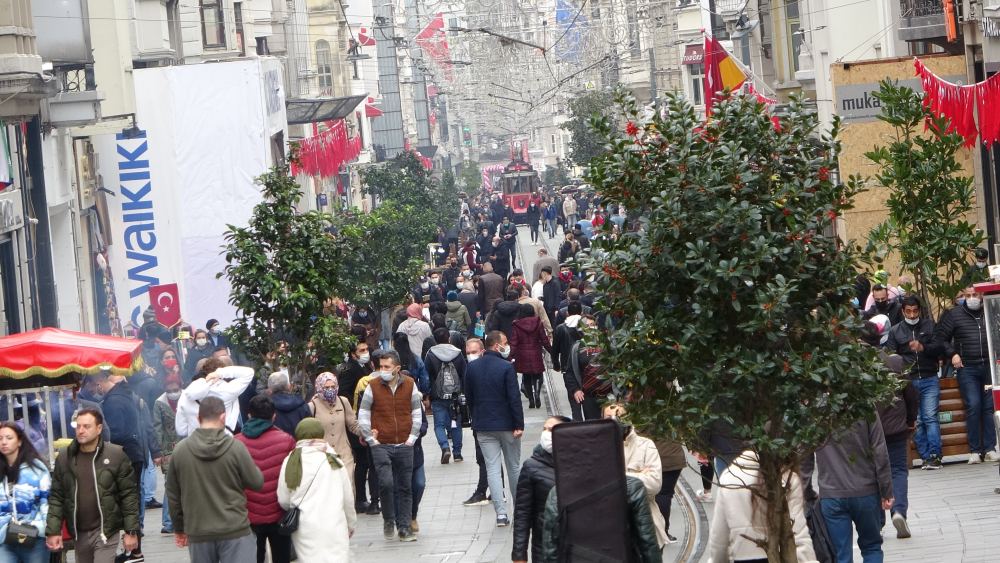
911, 340
855, 486
960, 338
446, 370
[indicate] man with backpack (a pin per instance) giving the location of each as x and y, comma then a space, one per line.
445, 365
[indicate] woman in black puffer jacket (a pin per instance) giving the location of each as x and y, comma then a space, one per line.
538, 477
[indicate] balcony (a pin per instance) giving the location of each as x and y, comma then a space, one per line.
923, 20
78, 102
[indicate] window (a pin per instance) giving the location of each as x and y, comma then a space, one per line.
213, 23
792, 29
697, 83
553, 141
238, 19
745, 49
323, 63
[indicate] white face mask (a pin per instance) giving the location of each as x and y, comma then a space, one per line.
435, 281
363, 358
425, 285
471, 357
911, 322
459, 285
974, 303
201, 342
174, 396
467, 274
546, 441
505, 351
216, 329
982, 264
386, 376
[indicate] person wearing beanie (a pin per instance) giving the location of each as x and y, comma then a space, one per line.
414, 327
215, 334
458, 312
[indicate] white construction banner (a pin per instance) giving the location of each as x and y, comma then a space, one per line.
207, 133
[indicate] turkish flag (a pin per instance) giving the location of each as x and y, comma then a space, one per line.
166, 303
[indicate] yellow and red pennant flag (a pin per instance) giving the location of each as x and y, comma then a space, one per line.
721, 71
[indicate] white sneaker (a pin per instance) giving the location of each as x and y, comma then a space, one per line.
974, 459
992, 456
703, 496
902, 530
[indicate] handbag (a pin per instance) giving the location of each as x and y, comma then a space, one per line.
17, 533
480, 329
289, 523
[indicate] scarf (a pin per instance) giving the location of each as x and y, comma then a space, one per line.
254, 427
329, 396
293, 469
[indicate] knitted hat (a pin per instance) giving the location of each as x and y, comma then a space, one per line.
453, 295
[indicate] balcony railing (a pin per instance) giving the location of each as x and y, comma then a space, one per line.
920, 8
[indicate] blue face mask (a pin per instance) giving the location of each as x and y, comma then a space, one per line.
158, 347
961, 301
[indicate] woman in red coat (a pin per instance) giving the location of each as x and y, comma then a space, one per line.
527, 338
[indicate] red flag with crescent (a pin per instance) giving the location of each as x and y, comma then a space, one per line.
166, 304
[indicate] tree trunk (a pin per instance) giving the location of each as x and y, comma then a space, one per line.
780, 542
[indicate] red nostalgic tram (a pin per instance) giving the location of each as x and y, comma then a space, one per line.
518, 181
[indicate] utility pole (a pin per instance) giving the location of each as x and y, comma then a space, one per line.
652, 78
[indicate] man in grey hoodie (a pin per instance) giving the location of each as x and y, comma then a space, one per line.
209, 472
443, 358
855, 485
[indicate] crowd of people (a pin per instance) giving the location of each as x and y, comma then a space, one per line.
269, 460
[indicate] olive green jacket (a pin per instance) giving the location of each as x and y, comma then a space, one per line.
117, 493
646, 550
165, 424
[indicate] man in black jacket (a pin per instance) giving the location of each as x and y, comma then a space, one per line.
551, 296
537, 479
884, 306
359, 365
960, 338
565, 336
911, 341
131, 426
424, 292
504, 314
508, 234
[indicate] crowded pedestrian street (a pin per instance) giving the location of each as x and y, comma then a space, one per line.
491, 281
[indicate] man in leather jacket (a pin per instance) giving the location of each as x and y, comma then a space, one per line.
960, 338
537, 479
911, 340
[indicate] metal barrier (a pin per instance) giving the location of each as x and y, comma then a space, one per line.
44, 394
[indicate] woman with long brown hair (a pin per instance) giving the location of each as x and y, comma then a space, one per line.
24, 498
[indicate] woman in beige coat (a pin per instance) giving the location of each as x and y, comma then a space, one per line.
642, 461
337, 417
738, 520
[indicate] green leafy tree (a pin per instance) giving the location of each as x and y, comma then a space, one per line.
585, 144
405, 181
282, 267
928, 200
387, 250
557, 175
731, 305
471, 175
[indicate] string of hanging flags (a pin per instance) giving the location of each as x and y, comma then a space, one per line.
961, 105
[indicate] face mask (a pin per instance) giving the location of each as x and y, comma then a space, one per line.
330, 395
157, 346
363, 315
981, 265
216, 329
459, 285
435, 281
386, 376
170, 364
363, 358
855, 302
425, 285
882, 306
505, 223
201, 342
505, 351
546, 441
911, 322
974, 303
962, 300
454, 266
174, 396
473, 357
467, 274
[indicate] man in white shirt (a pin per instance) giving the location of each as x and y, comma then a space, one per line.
225, 381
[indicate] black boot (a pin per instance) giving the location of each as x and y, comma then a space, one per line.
529, 391
538, 391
